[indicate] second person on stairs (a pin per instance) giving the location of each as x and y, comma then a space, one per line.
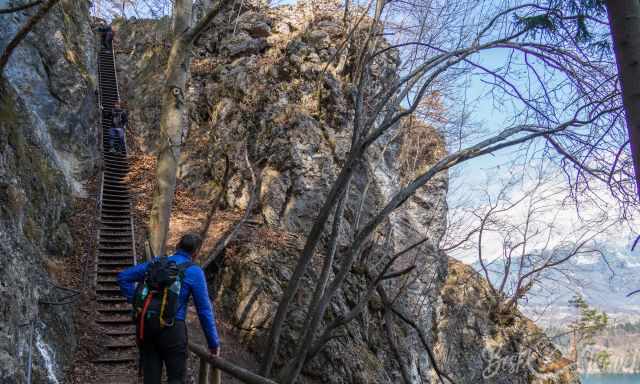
116, 132
107, 35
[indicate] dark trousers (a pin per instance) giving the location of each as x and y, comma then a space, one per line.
166, 346
116, 134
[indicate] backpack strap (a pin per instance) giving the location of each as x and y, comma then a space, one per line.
141, 318
184, 266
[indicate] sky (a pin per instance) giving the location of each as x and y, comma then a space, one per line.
493, 170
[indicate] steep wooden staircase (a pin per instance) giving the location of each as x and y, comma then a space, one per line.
117, 364
116, 244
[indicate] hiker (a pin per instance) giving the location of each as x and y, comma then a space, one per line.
119, 121
161, 331
107, 35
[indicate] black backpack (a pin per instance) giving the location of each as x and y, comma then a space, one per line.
155, 301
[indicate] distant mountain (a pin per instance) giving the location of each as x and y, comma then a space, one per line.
603, 279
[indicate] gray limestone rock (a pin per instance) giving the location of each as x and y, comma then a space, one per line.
242, 43
48, 148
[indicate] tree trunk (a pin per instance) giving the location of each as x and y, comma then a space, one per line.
313, 238
22, 33
345, 16
173, 116
624, 20
574, 347
172, 123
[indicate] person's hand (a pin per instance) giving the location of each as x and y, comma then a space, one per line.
215, 351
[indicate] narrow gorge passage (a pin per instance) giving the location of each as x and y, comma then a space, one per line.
116, 244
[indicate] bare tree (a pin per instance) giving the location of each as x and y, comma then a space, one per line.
379, 112
232, 232
587, 22
521, 237
173, 119
626, 38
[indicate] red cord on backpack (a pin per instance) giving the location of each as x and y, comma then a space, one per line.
142, 315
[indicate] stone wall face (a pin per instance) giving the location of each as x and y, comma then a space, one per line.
48, 147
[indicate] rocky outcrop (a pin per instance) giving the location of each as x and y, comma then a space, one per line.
48, 147
480, 344
273, 88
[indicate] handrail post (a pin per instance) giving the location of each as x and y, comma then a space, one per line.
215, 376
207, 374
30, 356
203, 371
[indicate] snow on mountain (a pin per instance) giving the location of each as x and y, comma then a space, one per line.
603, 278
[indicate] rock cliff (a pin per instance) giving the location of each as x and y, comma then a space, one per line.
48, 147
481, 345
254, 93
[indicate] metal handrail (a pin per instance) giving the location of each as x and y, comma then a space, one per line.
99, 218
99, 197
115, 70
126, 151
218, 363
100, 107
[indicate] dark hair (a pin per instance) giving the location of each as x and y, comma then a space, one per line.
189, 243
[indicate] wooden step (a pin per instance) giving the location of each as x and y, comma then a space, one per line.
117, 223
108, 214
119, 359
120, 311
115, 257
107, 291
114, 247
122, 345
116, 234
114, 299
107, 242
111, 320
116, 333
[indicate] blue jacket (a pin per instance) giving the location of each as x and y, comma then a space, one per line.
193, 283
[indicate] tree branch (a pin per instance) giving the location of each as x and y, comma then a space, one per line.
194, 32
216, 200
236, 371
233, 231
22, 33
421, 335
20, 7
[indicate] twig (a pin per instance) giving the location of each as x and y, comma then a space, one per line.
216, 200
222, 243
421, 335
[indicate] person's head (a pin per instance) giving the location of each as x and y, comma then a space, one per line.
190, 243
116, 104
